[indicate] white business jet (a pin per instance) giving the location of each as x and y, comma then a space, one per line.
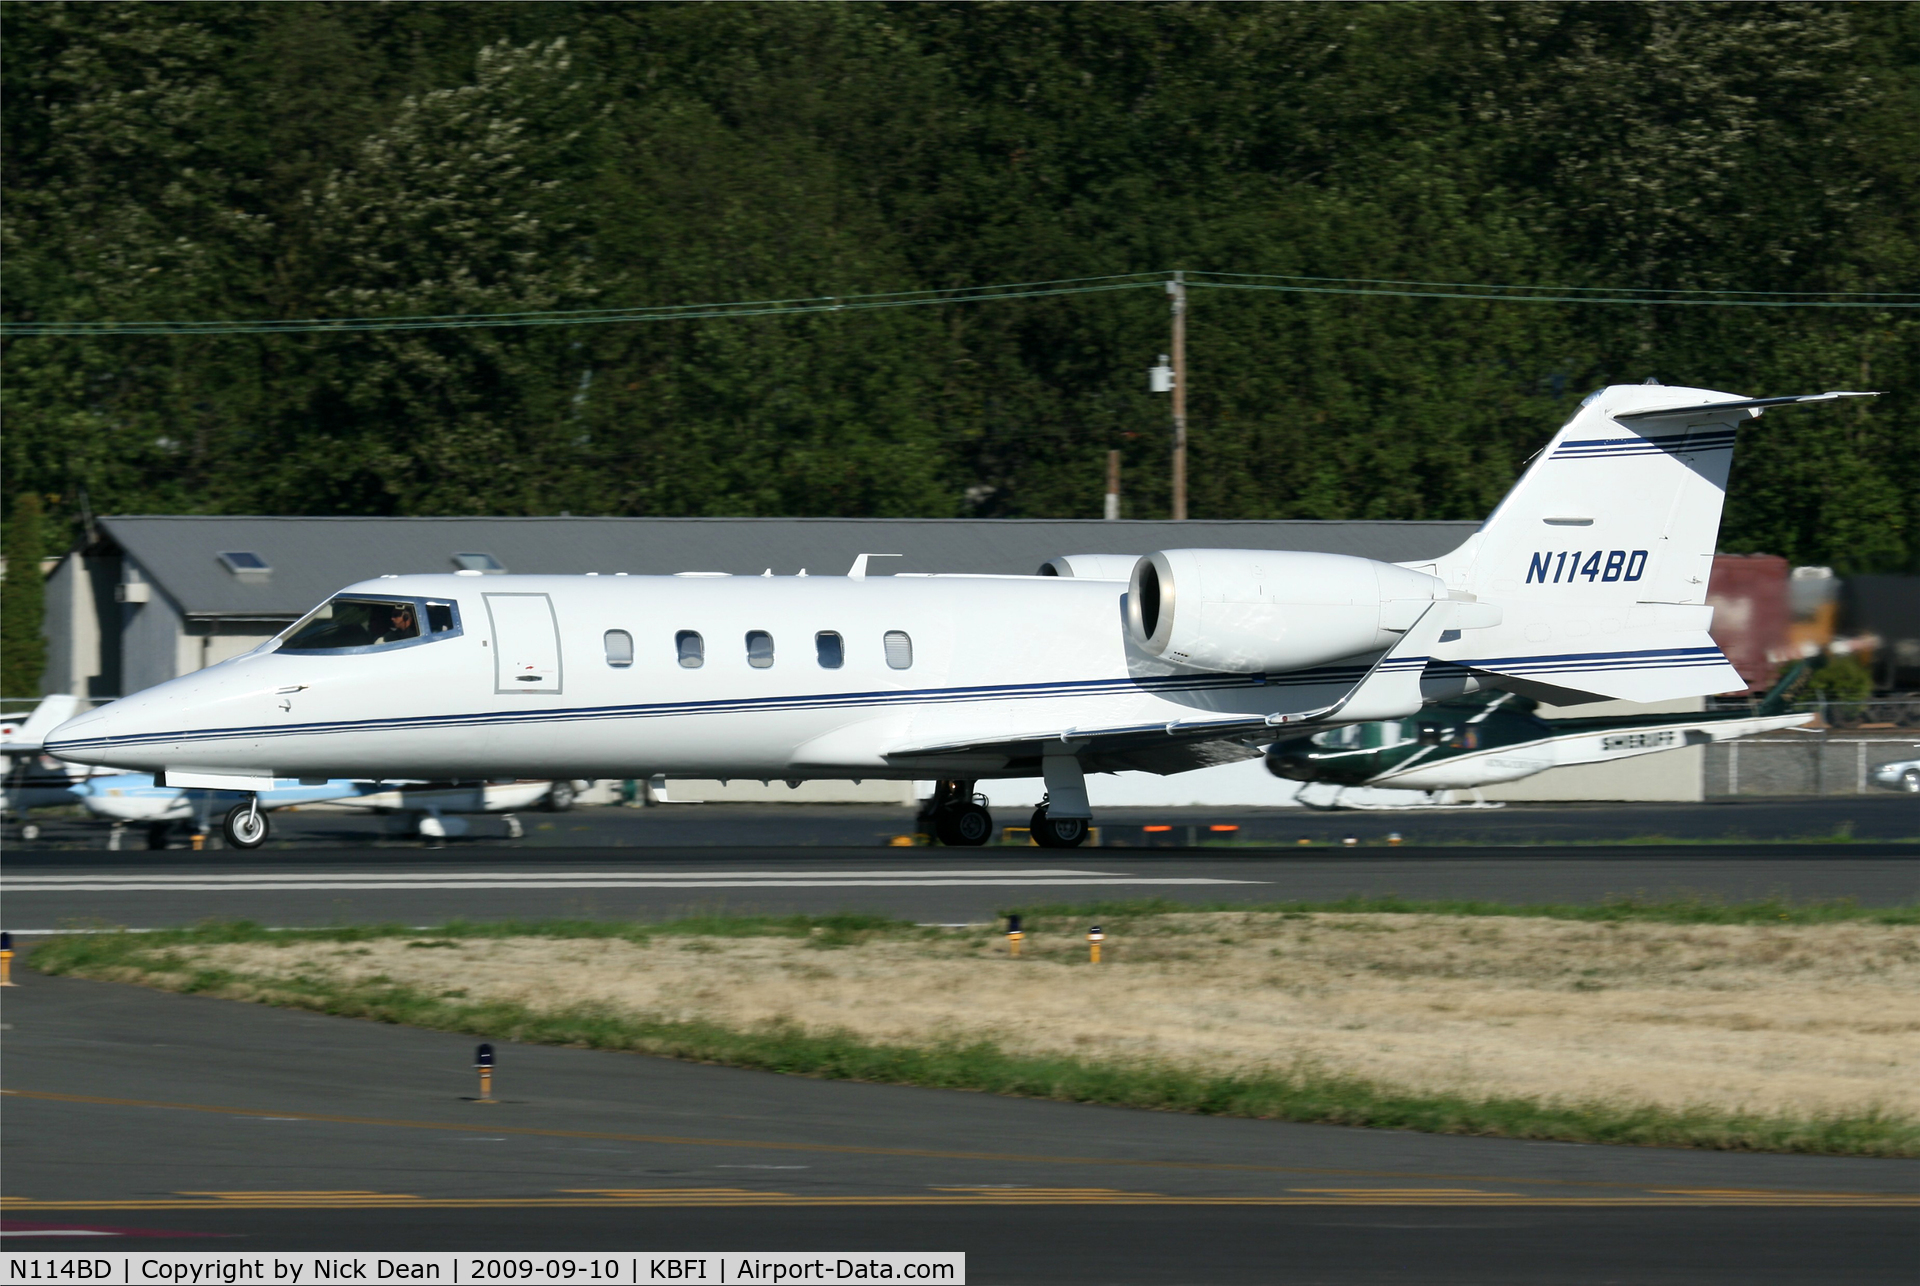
1588, 582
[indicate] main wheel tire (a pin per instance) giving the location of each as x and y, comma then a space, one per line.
963, 825
158, 834
1058, 832
559, 797
244, 826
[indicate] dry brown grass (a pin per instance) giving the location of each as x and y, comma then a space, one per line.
1797, 1018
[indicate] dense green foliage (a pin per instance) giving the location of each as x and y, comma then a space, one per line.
23, 601
203, 161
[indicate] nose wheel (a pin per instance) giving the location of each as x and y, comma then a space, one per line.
245, 826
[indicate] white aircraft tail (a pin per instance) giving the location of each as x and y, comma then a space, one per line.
31, 734
1599, 556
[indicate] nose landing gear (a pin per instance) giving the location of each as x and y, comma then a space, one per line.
245, 826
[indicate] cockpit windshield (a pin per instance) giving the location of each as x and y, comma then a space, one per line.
353, 624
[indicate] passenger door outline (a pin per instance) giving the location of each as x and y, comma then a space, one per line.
526, 643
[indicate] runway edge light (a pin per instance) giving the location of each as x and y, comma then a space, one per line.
1094, 938
1014, 936
483, 1060
6, 961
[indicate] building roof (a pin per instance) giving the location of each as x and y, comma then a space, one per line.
310, 558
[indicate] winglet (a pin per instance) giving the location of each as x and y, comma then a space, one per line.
1754, 404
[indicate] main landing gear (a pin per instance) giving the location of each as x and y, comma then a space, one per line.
956, 816
245, 826
1057, 832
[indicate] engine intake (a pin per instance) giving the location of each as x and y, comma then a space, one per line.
1251, 611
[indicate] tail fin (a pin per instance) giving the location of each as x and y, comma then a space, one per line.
48, 715
1599, 556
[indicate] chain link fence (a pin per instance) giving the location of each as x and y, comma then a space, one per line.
1804, 763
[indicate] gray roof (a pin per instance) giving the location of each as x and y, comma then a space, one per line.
312, 557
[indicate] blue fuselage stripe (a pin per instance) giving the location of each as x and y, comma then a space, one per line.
1659, 658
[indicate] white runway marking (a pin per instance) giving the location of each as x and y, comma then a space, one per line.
373, 880
913, 874
588, 884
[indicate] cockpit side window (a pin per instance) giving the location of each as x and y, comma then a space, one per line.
354, 624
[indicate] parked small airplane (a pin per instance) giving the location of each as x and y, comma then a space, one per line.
137, 797
33, 779
1587, 583
1491, 737
427, 809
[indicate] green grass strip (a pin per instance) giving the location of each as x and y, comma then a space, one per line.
1777, 910
1299, 1093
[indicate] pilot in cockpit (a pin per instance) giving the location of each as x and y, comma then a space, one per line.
400, 624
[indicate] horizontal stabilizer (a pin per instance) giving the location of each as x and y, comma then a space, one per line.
1748, 404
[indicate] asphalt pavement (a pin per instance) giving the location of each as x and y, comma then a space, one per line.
141, 1120
1882, 816
137, 1120
54, 889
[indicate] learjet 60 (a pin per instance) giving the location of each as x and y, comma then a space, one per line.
1587, 583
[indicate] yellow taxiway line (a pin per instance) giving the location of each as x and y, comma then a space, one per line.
1628, 1194
695, 1199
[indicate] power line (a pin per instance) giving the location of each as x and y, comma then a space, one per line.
810, 305
1617, 290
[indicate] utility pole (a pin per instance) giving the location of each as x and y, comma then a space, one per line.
1177, 288
1113, 486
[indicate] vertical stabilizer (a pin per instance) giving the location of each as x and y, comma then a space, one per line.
31, 734
1599, 557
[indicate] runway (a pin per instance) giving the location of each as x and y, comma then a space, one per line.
1882, 817
137, 1119
47, 889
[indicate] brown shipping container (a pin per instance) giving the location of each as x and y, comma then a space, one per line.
1748, 595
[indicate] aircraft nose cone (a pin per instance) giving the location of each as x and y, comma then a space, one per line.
79, 736
113, 735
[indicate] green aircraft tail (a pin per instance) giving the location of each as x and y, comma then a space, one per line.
1782, 694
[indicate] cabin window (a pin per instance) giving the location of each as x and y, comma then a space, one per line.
439, 617
691, 649
831, 650
899, 650
1348, 735
619, 647
759, 649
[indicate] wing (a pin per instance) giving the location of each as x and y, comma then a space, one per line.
1389, 689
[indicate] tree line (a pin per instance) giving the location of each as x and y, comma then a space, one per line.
195, 161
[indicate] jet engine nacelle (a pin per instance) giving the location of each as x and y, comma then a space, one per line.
1251, 611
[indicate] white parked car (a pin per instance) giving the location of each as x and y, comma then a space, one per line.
1903, 774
